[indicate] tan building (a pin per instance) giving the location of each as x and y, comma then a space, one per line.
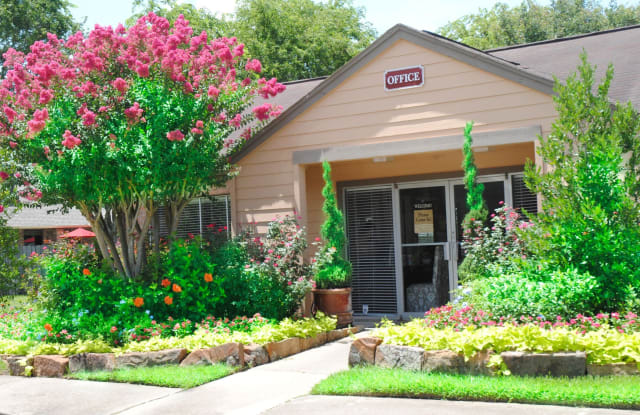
390, 121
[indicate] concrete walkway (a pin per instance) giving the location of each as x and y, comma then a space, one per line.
322, 405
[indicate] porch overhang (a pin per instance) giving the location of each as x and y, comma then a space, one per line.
424, 145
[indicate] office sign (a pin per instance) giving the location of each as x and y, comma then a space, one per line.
404, 78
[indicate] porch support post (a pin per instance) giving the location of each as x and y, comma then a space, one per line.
300, 192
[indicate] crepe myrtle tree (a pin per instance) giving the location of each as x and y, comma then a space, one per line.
124, 120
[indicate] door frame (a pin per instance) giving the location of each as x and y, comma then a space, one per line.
450, 251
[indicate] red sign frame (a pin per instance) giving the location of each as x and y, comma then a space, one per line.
402, 78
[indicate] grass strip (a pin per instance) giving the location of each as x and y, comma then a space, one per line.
621, 392
172, 376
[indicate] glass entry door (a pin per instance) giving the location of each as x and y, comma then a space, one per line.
424, 247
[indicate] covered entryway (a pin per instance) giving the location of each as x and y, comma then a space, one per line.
405, 239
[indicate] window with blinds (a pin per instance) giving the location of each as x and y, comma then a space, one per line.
369, 220
199, 214
523, 198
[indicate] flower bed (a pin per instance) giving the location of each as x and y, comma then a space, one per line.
469, 340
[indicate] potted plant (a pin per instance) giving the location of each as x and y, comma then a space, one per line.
332, 272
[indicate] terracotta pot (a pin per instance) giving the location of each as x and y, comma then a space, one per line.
335, 302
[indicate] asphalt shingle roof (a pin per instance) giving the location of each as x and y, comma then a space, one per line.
39, 218
560, 57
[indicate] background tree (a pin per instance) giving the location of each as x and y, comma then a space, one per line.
531, 22
295, 39
123, 121
26, 21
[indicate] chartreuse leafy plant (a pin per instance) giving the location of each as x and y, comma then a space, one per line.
125, 120
590, 210
332, 270
606, 345
203, 337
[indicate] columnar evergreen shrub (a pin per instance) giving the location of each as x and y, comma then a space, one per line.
332, 269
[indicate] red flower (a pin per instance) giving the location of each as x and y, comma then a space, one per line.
208, 277
175, 135
138, 302
165, 282
48, 327
114, 329
176, 288
86, 272
168, 300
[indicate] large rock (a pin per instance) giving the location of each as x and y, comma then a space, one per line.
283, 348
255, 355
50, 366
18, 364
444, 361
311, 342
159, 358
4, 366
230, 353
363, 351
544, 364
91, 362
478, 364
613, 369
405, 357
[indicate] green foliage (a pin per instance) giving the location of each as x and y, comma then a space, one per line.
299, 39
531, 22
477, 211
294, 39
495, 249
590, 211
25, 21
602, 346
607, 392
547, 294
332, 270
202, 338
170, 376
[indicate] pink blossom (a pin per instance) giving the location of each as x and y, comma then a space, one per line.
1, 208
45, 96
88, 118
134, 113
70, 141
254, 65
10, 113
262, 112
121, 85
39, 120
4, 175
235, 121
175, 135
142, 70
213, 91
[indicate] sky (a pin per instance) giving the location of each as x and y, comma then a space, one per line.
383, 14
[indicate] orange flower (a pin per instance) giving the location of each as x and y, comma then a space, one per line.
168, 300
208, 277
48, 327
86, 272
176, 288
165, 282
138, 302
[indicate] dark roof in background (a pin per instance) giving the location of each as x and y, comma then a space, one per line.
38, 218
560, 57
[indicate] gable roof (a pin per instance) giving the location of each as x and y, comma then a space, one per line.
459, 51
560, 57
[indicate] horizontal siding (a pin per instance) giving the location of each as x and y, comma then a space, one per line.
359, 111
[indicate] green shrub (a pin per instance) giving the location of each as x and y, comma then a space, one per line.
560, 293
332, 270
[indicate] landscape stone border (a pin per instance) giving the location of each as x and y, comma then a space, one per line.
233, 354
371, 351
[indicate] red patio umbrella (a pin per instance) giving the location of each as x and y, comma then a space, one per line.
79, 233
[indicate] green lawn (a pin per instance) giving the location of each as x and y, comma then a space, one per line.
611, 392
168, 376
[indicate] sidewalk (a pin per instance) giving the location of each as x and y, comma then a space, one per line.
250, 392
321, 405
